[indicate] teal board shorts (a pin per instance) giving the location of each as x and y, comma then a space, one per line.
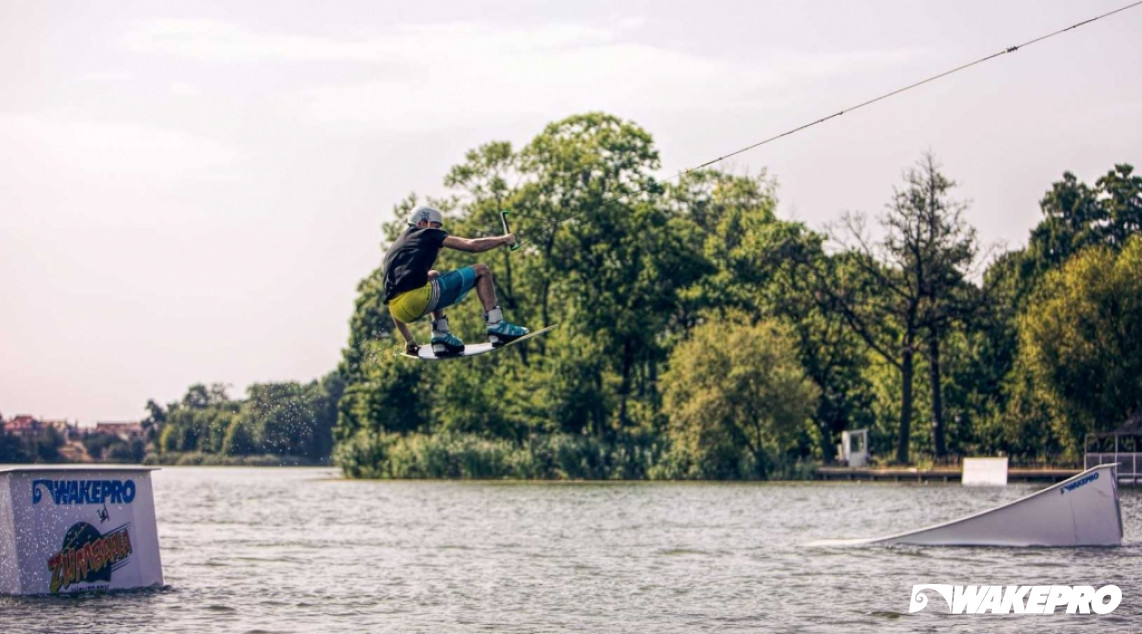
452, 287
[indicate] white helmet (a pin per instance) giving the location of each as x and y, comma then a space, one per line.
427, 214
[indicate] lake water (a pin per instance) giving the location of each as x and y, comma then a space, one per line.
301, 550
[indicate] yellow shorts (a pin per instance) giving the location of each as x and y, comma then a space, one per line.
440, 292
410, 305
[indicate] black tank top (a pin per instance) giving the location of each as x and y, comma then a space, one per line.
409, 259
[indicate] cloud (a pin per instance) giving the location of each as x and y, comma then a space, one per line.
41, 143
456, 74
106, 77
221, 41
182, 89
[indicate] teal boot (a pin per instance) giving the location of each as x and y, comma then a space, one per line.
501, 332
444, 343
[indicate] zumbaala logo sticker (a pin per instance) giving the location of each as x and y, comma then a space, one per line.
87, 556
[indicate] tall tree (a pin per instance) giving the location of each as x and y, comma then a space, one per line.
1077, 216
154, 420
1081, 340
880, 302
764, 266
944, 248
621, 257
899, 293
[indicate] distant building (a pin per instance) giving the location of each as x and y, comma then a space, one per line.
68, 431
24, 426
125, 431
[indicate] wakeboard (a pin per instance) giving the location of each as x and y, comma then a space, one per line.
472, 350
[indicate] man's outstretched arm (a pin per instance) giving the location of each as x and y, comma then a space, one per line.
478, 245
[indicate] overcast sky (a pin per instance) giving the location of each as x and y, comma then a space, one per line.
190, 192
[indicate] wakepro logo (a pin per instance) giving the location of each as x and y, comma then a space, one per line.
1019, 599
84, 491
1078, 483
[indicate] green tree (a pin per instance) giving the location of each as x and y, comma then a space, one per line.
286, 418
197, 422
11, 450
788, 274
389, 394
734, 386
1013, 412
767, 266
1081, 341
619, 256
169, 440
47, 447
95, 443
945, 247
154, 420
1077, 216
880, 301
130, 451
906, 288
736, 219
239, 440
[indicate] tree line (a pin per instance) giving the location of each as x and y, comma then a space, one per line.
277, 423
14, 449
701, 336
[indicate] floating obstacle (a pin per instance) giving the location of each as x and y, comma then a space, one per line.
77, 529
1080, 511
984, 472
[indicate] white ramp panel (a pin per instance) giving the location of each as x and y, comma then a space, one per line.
66, 530
1081, 511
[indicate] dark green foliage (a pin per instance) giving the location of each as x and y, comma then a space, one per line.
622, 262
44, 448
11, 450
95, 443
902, 337
738, 398
131, 451
471, 456
1081, 343
281, 419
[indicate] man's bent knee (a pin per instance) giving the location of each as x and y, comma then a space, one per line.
481, 270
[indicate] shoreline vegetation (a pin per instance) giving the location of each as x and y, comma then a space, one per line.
200, 459
701, 337
548, 457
